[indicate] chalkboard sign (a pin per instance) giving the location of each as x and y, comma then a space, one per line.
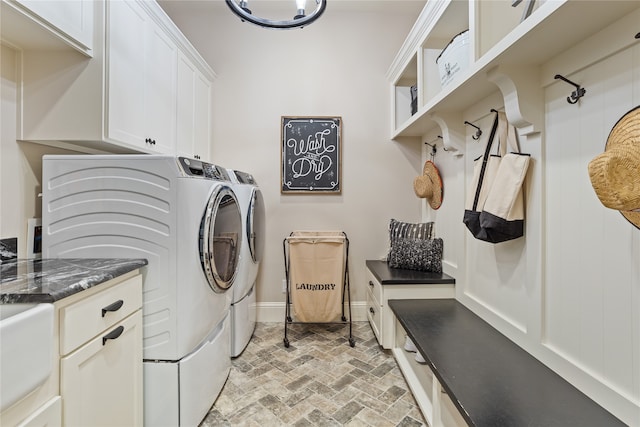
311, 158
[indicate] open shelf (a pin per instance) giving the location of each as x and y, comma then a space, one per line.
510, 46
402, 90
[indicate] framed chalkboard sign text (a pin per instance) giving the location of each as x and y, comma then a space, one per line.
311, 154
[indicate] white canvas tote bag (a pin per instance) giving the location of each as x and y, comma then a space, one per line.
497, 208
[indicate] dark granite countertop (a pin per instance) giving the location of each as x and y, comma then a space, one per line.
49, 280
492, 381
398, 276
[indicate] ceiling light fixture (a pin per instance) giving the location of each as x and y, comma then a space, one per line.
299, 20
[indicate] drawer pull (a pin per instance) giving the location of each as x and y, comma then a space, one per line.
371, 310
112, 307
370, 283
113, 334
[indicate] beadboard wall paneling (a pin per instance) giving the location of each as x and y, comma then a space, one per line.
449, 216
496, 272
591, 285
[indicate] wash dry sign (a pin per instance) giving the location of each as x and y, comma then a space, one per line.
311, 155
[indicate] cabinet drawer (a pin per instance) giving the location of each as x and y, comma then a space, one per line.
374, 312
83, 320
374, 286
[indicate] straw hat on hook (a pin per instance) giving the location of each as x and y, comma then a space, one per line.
429, 185
615, 174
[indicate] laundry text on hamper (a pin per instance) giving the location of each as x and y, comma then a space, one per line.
316, 287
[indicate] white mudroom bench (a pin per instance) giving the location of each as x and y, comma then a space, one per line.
476, 376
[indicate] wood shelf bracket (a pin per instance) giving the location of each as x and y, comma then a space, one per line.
453, 131
523, 96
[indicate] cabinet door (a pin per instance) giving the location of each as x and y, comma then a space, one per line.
202, 117
126, 72
160, 89
101, 382
185, 108
69, 20
194, 109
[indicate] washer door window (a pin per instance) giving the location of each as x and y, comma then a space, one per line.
221, 235
256, 225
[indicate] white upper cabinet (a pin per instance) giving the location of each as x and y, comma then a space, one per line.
38, 24
125, 99
125, 58
202, 120
194, 100
161, 58
141, 79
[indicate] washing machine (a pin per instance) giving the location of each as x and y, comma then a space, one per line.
183, 216
243, 302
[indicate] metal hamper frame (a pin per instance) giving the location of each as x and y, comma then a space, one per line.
346, 291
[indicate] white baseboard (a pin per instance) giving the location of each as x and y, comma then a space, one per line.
274, 311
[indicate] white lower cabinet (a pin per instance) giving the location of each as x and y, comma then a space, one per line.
449, 415
48, 415
97, 375
101, 380
435, 405
379, 314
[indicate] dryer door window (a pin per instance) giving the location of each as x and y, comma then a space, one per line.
221, 235
256, 225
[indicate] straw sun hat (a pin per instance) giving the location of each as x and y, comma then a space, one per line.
429, 185
615, 174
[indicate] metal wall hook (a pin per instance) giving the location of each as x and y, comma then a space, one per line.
433, 146
576, 94
478, 130
434, 142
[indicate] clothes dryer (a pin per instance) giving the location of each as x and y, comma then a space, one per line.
243, 304
182, 216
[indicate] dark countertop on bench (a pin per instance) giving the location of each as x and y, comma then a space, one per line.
398, 276
491, 380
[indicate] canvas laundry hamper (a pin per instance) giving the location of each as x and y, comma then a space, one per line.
317, 278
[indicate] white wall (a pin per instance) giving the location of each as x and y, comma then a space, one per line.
20, 163
334, 67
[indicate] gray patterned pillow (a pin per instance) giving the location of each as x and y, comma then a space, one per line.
401, 230
417, 254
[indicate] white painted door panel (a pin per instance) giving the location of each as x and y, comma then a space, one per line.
161, 56
202, 119
184, 113
496, 272
70, 20
591, 287
101, 382
126, 72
